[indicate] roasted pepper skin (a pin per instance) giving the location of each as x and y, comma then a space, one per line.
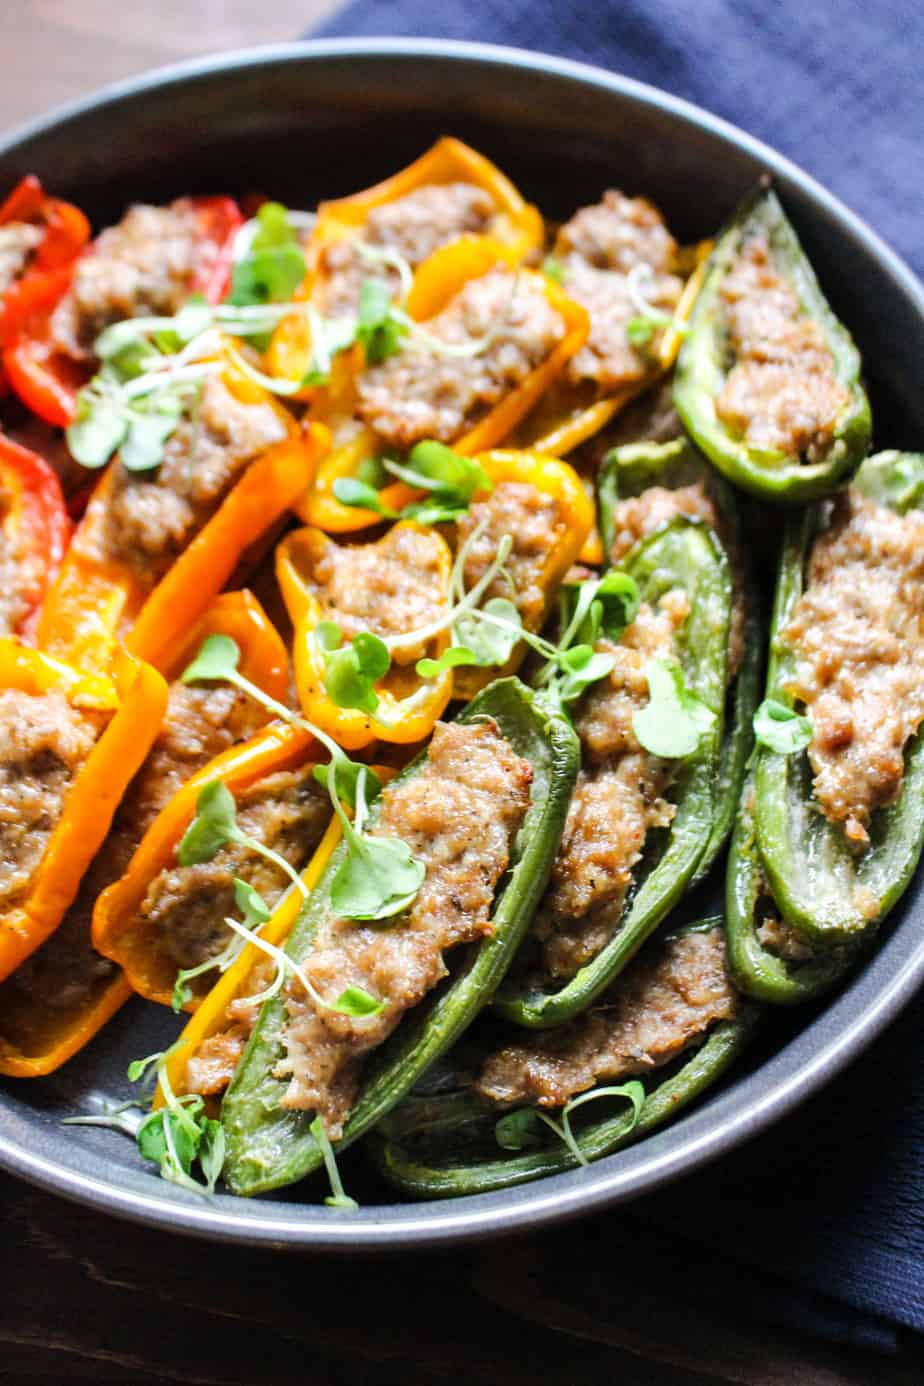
684, 554
700, 373
630, 470
552, 478
407, 708
756, 970
408, 1147
95, 600
436, 282
36, 520
813, 874
269, 1146
45, 378
136, 695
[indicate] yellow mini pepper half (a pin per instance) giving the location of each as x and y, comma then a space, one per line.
553, 478
438, 280
408, 706
569, 415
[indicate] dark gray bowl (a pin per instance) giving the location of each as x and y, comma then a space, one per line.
326, 118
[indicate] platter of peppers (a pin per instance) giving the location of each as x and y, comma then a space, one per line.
466, 687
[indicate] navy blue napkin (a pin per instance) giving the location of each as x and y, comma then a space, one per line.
832, 1200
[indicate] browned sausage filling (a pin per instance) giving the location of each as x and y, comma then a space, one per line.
413, 227
18, 242
459, 815
146, 263
423, 393
597, 249
150, 518
782, 392
536, 525
666, 1001
857, 635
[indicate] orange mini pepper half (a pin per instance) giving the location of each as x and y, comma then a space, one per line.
576, 510
119, 930
97, 599
136, 696
408, 706
438, 280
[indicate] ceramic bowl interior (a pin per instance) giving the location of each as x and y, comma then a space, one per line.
324, 119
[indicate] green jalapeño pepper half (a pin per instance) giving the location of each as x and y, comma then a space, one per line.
795, 369
268, 1145
768, 959
630, 471
450, 1142
686, 555
824, 886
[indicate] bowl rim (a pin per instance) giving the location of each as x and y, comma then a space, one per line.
804, 1065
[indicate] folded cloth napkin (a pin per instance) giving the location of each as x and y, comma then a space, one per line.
833, 1199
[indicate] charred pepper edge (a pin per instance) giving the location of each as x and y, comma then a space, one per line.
700, 368
392, 1150
268, 1146
674, 464
898, 829
668, 878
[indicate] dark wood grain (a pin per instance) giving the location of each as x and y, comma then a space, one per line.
88, 1298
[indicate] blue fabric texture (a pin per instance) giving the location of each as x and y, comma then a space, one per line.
832, 1200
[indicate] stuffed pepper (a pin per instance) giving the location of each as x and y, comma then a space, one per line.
72, 743
644, 812
668, 1029
34, 533
164, 530
66, 991
480, 812
618, 260
478, 342
150, 262
768, 380
838, 778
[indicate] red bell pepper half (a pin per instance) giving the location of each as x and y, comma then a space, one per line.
35, 524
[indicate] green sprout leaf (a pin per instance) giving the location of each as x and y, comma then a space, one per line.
780, 729
675, 718
519, 1130
378, 329
360, 495
274, 267
452, 658
581, 666
251, 904
619, 599
97, 431
218, 658
358, 1003
492, 641
347, 774
214, 825
452, 479
139, 1067
377, 879
553, 269
211, 1152
353, 670
143, 447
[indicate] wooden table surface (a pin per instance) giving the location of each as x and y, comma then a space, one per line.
92, 1299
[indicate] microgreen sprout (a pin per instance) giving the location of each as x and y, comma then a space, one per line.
378, 876
553, 269
640, 283
521, 1129
781, 729
272, 265
338, 1197
451, 481
675, 718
